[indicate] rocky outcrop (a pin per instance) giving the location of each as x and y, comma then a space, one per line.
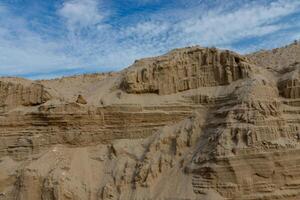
277, 60
289, 84
81, 100
16, 94
185, 69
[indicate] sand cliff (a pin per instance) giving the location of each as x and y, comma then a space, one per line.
195, 123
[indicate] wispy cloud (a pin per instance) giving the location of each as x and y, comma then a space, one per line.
96, 37
81, 13
221, 28
23, 50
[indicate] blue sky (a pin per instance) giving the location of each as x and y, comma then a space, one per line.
51, 38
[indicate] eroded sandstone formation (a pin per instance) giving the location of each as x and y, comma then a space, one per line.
289, 84
14, 94
185, 69
196, 123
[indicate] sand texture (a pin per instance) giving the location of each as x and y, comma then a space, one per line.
195, 123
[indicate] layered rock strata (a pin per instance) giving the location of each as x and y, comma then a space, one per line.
196, 123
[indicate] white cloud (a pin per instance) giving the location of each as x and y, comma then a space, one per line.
24, 51
219, 28
208, 27
151, 28
82, 13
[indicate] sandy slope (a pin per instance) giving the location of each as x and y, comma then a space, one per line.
196, 123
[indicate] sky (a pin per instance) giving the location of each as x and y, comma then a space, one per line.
42, 39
